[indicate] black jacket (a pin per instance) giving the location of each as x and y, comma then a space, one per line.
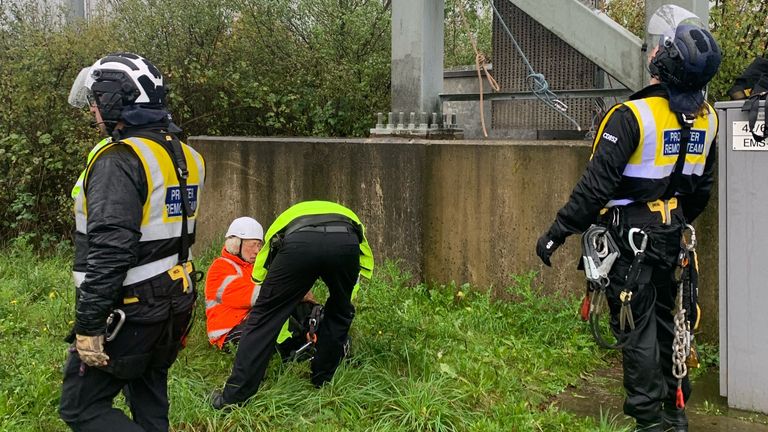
116, 191
603, 179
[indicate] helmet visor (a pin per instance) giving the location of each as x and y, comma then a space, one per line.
665, 20
80, 95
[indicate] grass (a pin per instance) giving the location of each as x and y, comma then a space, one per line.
424, 359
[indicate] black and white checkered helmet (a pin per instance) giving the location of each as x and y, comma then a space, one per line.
118, 80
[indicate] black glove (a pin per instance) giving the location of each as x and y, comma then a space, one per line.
545, 247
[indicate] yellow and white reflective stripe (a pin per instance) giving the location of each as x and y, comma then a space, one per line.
81, 219
648, 171
164, 231
156, 182
149, 270
198, 175
139, 273
80, 209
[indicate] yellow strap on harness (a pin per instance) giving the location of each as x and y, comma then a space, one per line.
182, 272
664, 208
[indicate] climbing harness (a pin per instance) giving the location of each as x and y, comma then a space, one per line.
599, 253
686, 311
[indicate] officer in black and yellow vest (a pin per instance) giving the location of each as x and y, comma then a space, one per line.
135, 211
310, 240
651, 171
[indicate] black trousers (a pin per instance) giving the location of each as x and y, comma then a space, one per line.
647, 354
141, 354
303, 257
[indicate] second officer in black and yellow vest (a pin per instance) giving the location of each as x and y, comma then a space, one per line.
135, 212
639, 179
310, 240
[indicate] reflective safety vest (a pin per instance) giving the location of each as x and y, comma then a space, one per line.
308, 208
660, 133
162, 211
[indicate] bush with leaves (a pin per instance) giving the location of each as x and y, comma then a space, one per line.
42, 139
741, 29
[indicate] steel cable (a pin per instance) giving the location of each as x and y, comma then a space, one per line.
536, 81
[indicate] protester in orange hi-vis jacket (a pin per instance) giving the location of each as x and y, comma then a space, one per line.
229, 289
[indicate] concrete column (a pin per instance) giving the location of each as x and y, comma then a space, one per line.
417, 54
76, 10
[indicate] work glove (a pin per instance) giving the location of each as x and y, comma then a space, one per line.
545, 247
91, 350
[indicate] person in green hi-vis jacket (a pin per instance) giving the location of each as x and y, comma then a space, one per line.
310, 240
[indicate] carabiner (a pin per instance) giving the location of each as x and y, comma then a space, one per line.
643, 243
692, 245
112, 335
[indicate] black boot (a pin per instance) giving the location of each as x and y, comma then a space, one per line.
217, 400
673, 419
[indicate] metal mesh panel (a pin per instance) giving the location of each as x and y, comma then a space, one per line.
563, 67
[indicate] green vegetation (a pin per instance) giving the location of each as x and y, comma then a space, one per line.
424, 359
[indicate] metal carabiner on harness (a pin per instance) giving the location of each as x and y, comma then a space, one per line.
643, 243
690, 245
626, 317
599, 253
111, 335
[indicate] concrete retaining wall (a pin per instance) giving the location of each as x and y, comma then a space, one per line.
463, 211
